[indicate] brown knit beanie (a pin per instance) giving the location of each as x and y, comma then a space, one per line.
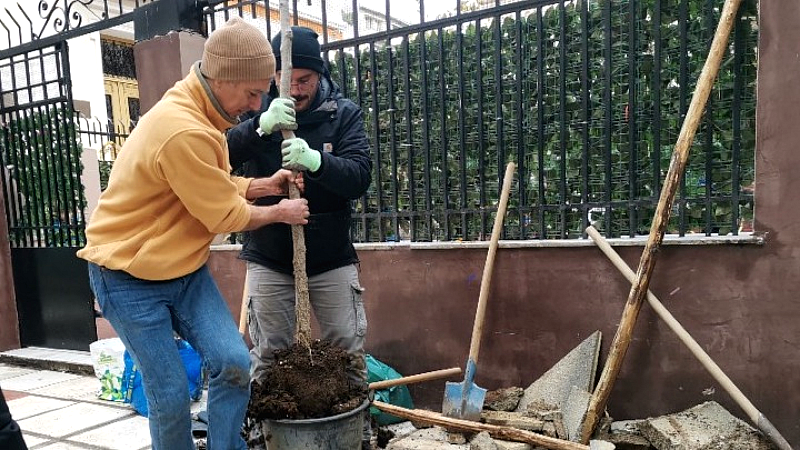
237, 51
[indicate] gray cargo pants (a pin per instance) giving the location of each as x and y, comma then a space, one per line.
338, 307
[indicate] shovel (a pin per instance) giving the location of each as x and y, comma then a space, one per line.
465, 400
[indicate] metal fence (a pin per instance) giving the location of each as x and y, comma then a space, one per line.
40, 152
587, 97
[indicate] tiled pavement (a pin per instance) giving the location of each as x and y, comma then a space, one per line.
52, 394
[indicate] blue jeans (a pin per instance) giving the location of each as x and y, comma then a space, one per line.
145, 314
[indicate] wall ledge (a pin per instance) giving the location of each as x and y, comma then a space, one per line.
638, 241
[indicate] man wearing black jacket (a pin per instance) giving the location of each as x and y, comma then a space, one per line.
332, 150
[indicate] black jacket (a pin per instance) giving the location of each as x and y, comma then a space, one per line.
334, 126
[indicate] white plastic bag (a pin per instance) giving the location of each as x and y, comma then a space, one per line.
108, 360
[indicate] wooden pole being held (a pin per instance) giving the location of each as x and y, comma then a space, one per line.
622, 339
302, 302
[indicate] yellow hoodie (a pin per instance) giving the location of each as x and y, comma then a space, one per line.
170, 190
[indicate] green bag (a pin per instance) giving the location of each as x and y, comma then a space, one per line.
396, 395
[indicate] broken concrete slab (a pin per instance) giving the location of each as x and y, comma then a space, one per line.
504, 399
454, 437
625, 435
434, 438
549, 430
601, 445
577, 368
482, 441
401, 429
510, 445
575, 411
411, 443
708, 426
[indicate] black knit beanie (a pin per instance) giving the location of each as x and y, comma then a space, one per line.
305, 49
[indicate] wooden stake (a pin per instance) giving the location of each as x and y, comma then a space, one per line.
680, 155
302, 302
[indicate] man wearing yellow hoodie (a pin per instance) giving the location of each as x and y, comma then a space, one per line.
169, 193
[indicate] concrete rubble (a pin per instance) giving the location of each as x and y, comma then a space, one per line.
555, 406
578, 368
708, 426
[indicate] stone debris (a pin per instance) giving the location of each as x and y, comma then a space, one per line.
708, 426
401, 429
575, 412
505, 399
456, 438
482, 441
555, 405
437, 438
600, 445
433, 438
509, 445
578, 368
513, 420
624, 434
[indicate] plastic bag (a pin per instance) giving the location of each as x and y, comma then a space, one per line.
132, 378
396, 395
109, 363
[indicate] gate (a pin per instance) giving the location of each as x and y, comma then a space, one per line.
41, 149
44, 199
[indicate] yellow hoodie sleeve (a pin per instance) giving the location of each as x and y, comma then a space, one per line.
242, 185
195, 165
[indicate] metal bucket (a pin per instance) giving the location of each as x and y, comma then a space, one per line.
340, 432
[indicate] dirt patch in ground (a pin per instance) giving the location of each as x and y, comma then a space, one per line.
305, 383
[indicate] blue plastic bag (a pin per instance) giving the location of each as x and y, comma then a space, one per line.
396, 395
132, 379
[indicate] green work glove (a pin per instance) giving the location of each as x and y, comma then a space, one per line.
298, 156
279, 116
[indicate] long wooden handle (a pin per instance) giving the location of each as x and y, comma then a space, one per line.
747, 406
302, 300
622, 339
426, 376
496, 431
486, 280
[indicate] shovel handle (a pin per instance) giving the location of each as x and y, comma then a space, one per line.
436, 374
477, 327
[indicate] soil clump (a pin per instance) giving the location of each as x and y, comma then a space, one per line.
305, 383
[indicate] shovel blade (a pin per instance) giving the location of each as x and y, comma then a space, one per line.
463, 400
